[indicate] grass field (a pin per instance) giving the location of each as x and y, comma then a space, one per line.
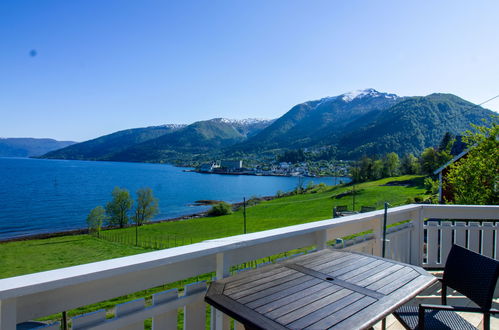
24, 257
287, 211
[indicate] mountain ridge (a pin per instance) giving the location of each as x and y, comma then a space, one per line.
357, 123
30, 147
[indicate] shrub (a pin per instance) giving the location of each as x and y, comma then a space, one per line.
253, 201
431, 186
222, 208
410, 200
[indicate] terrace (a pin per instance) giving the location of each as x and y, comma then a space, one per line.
410, 239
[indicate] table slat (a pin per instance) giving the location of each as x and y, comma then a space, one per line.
295, 310
279, 290
332, 319
285, 297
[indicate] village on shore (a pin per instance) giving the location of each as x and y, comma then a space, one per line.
307, 169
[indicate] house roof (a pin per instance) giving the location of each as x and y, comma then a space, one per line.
441, 168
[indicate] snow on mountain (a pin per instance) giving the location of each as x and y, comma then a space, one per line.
358, 94
326, 99
172, 126
248, 121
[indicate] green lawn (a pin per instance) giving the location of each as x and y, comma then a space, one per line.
24, 257
31, 256
287, 211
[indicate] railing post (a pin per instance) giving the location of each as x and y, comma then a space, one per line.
8, 314
222, 321
130, 307
195, 313
168, 320
417, 237
321, 239
378, 236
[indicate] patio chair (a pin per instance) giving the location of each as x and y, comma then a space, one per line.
471, 274
341, 208
338, 210
364, 209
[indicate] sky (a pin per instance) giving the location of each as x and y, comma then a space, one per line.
76, 70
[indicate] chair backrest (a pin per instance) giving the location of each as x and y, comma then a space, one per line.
471, 274
367, 209
341, 208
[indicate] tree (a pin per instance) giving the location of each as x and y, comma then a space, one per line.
475, 179
366, 165
446, 142
355, 173
377, 169
118, 209
410, 164
429, 161
391, 164
147, 206
95, 219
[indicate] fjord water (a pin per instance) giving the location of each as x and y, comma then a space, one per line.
41, 196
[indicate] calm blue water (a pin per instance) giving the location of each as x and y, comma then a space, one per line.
39, 196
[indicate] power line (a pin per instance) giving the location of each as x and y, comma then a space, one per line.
477, 105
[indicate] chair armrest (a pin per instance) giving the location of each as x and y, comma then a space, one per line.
456, 308
494, 311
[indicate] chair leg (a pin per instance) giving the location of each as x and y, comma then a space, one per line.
486, 321
444, 294
421, 315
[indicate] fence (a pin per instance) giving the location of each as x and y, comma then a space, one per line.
144, 239
479, 236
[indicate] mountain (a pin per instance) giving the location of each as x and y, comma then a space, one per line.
367, 122
164, 143
409, 126
106, 146
27, 147
198, 138
307, 124
347, 126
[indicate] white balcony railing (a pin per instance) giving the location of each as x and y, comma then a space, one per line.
417, 242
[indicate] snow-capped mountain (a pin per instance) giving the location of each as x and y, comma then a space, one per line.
312, 122
357, 95
368, 92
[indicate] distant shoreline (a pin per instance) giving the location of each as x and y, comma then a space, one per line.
254, 174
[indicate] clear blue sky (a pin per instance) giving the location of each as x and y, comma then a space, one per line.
102, 66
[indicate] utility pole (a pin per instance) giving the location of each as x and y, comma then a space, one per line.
385, 216
244, 213
353, 197
137, 234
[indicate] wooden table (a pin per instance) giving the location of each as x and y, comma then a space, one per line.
321, 290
